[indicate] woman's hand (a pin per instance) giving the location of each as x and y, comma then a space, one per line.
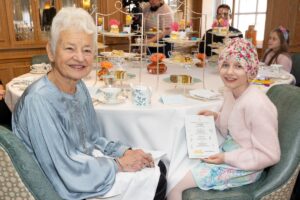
135, 160
209, 113
215, 159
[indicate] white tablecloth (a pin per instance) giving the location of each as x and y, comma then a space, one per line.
156, 127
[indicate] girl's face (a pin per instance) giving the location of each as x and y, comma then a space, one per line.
274, 41
234, 77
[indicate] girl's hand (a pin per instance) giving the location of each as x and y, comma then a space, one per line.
215, 159
209, 113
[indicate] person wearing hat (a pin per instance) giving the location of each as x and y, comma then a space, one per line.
277, 52
248, 123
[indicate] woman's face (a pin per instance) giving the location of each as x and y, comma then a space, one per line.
234, 76
74, 55
274, 41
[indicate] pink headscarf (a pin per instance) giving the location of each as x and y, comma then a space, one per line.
243, 52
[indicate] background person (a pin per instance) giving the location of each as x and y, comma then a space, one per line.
247, 121
5, 113
151, 12
277, 52
56, 120
223, 12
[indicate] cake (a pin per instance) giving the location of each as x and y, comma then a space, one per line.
182, 79
114, 29
120, 75
174, 35
117, 53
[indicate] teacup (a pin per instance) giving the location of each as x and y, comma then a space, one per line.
111, 94
42, 67
141, 95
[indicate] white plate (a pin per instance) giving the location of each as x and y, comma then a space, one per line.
181, 41
205, 94
126, 55
121, 34
119, 100
172, 61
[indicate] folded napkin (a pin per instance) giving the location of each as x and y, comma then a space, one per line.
172, 99
205, 94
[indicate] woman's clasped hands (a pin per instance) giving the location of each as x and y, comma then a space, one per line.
135, 160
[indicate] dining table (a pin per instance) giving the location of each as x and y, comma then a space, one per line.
159, 126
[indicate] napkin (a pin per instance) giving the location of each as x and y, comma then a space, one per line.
172, 99
204, 94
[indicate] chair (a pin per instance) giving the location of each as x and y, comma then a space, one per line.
20, 175
277, 181
296, 67
37, 59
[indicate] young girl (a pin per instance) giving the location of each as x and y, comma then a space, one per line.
277, 52
247, 121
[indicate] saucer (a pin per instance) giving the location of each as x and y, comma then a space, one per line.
119, 100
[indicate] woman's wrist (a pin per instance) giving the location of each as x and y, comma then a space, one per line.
120, 167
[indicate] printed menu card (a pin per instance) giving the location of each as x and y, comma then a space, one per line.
201, 136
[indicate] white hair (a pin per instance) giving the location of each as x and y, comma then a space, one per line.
72, 18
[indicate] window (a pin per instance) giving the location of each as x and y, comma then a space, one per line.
249, 12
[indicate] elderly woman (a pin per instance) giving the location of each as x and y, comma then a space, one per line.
56, 120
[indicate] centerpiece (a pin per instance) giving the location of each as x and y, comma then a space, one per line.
157, 63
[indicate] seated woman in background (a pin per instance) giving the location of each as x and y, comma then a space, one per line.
277, 52
248, 123
5, 114
56, 121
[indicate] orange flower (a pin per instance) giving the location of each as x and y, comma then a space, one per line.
200, 56
106, 64
157, 57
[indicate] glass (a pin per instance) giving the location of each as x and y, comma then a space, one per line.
23, 22
47, 12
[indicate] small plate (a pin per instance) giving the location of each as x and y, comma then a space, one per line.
120, 34
119, 100
194, 80
172, 61
126, 55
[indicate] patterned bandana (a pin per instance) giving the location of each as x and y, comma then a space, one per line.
243, 52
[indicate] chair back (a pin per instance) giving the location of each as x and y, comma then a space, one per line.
296, 67
37, 59
287, 101
20, 175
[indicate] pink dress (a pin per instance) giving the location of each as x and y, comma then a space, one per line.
282, 59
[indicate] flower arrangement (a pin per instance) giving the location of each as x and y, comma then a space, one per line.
105, 66
157, 57
100, 21
175, 26
220, 23
113, 22
128, 20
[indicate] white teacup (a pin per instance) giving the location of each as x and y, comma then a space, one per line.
141, 95
42, 67
111, 94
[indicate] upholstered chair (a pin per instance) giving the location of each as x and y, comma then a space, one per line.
20, 176
277, 181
